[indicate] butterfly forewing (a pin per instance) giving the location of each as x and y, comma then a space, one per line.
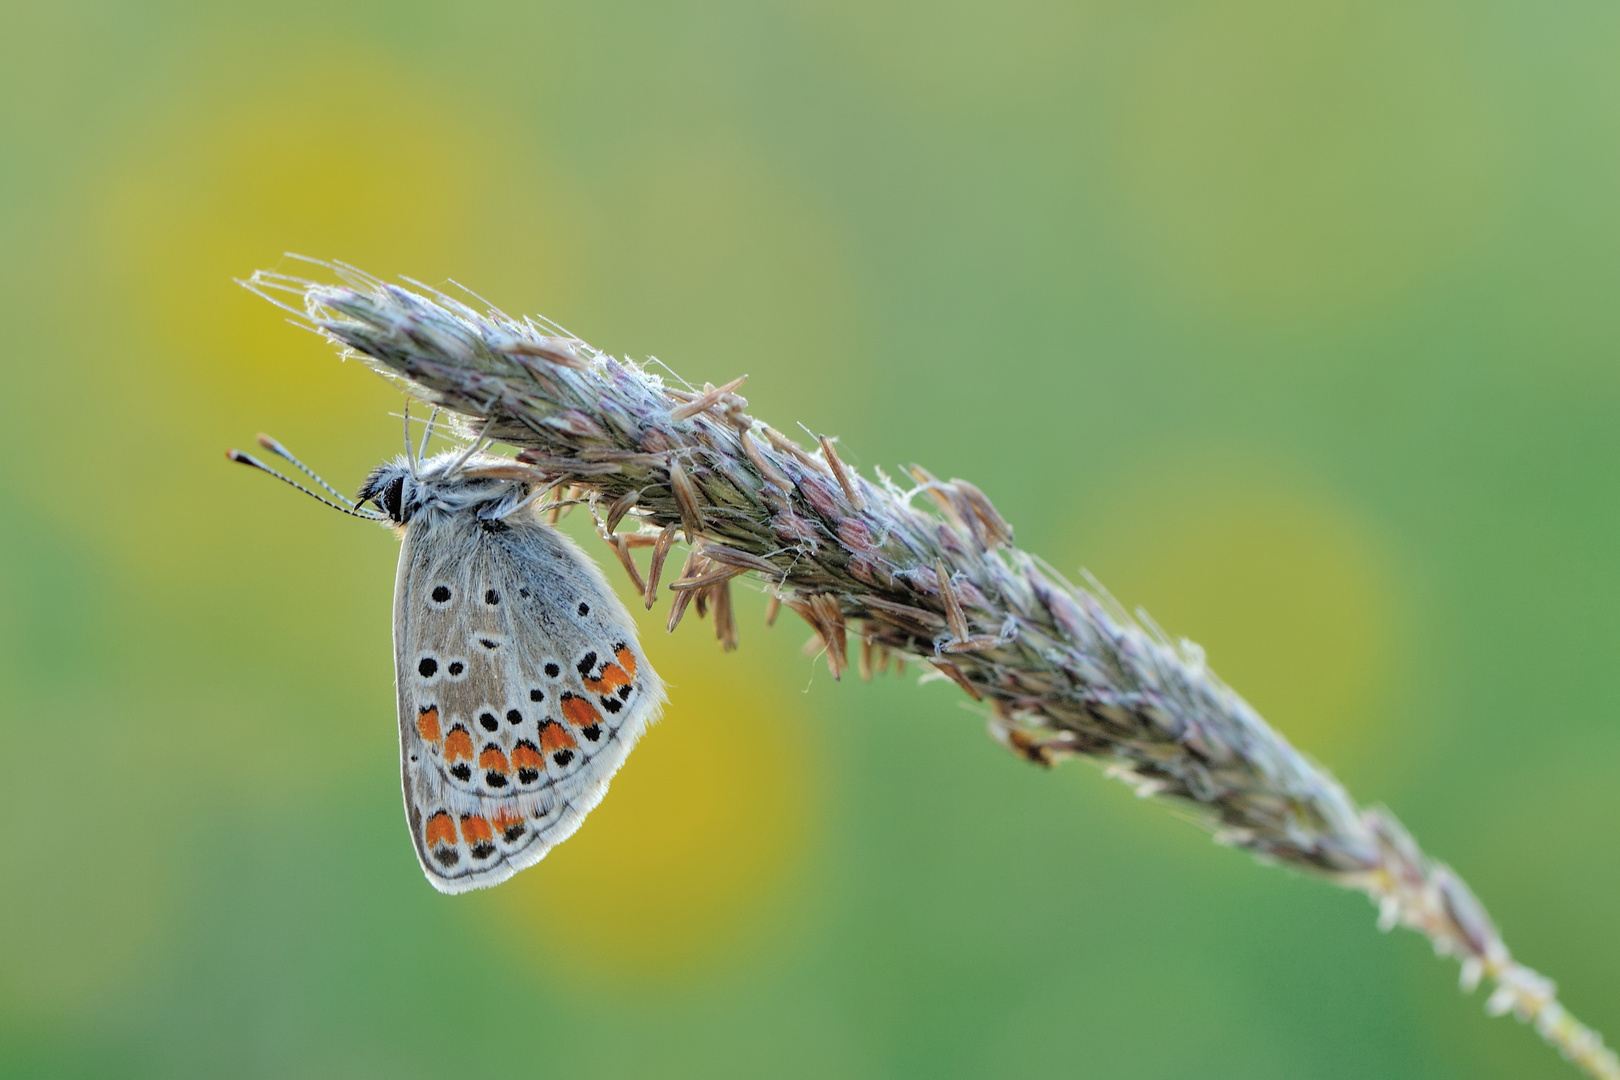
521, 689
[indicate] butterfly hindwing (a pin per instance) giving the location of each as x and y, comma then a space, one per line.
521, 689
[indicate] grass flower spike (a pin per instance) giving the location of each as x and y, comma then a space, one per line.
927, 572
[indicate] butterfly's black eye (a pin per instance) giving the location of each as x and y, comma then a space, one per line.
393, 498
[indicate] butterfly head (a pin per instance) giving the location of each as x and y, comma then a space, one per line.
404, 488
445, 484
395, 491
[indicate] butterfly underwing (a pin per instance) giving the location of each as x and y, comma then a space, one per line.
521, 683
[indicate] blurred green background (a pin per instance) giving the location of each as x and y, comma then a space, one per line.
1295, 323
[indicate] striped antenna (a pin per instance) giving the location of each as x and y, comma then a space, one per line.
286, 455
249, 459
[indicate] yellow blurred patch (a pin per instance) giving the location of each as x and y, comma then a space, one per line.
1287, 592
686, 864
337, 158
345, 160
1287, 160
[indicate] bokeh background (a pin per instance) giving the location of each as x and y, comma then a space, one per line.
1295, 323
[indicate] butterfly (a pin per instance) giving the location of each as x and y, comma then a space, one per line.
521, 684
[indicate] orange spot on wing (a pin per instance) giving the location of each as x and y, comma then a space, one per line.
458, 745
505, 819
475, 829
555, 736
579, 712
613, 677
427, 724
439, 829
627, 660
525, 756
492, 759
